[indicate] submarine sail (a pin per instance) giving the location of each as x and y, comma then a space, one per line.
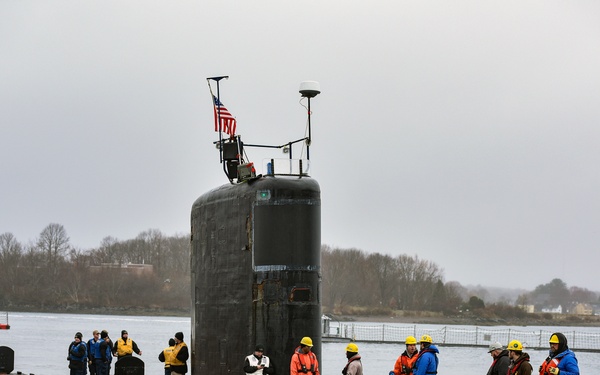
255, 257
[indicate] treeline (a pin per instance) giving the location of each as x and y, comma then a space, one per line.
352, 277
50, 273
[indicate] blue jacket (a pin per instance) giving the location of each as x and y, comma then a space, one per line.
96, 348
99, 354
92, 347
427, 363
78, 352
568, 362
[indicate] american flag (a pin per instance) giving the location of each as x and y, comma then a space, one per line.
228, 123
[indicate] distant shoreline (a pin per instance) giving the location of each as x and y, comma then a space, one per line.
565, 320
556, 320
127, 311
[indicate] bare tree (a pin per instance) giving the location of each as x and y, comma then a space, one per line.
32, 284
582, 295
383, 271
54, 244
177, 256
76, 285
109, 251
332, 274
454, 296
154, 244
416, 282
10, 257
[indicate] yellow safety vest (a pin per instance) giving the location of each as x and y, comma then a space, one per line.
176, 349
168, 353
124, 347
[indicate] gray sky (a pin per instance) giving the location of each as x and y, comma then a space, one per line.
462, 131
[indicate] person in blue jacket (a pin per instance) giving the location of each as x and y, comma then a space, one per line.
561, 360
77, 356
103, 354
91, 349
427, 363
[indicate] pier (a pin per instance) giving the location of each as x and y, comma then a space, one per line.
578, 340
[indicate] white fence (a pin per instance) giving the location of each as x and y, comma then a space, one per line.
460, 336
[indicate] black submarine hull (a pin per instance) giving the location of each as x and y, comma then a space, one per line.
256, 267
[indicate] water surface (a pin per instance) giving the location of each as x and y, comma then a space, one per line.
41, 340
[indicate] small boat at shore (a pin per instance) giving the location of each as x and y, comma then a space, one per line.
4, 324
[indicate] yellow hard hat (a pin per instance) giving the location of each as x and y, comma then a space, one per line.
426, 338
352, 348
515, 345
410, 340
554, 339
306, 341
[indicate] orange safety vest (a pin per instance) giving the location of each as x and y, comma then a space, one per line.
405, 362
516, 366
301, 367
548, 364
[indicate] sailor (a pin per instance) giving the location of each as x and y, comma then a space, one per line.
77, 356
124, 347
165, 356
91, 349
179, 356
103, 354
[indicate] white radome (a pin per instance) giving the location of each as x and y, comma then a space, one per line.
310, 89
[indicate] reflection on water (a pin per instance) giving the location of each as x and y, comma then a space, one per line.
40, 342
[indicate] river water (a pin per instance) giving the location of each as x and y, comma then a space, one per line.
40, 342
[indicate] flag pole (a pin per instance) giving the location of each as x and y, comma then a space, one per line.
309, 139
218, 104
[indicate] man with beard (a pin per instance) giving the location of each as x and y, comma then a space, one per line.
404, 363
561, 360
354, 365
501, 361
519, 361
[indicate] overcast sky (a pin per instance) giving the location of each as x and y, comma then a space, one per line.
466, 132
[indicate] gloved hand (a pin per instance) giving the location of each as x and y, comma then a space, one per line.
554, 370
391, 373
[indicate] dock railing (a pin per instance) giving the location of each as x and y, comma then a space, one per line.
461, 336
